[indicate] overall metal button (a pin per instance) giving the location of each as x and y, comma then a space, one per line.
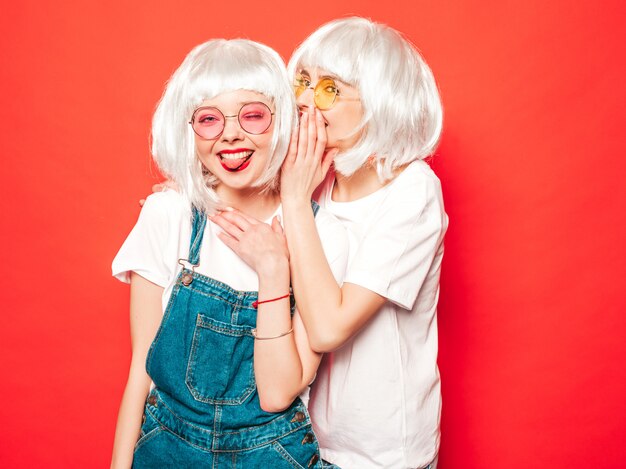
298, 417
314, 460
308, 438
186, 279
152, 400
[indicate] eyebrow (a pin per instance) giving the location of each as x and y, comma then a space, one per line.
336, 78
304, 71
239, 103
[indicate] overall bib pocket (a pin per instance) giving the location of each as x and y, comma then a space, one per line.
220, 366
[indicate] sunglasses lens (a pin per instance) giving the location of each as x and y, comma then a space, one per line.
325, 93
299, 85
255, 118
208, 122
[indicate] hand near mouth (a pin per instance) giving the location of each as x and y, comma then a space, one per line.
307, 160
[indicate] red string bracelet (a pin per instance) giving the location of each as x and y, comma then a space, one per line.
257, 303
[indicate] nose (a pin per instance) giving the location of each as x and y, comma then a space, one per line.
232, 130
306, 99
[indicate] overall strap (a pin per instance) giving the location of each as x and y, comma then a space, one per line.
197, 232
315, 206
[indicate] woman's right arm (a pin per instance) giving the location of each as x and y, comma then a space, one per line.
331, 313
145, 318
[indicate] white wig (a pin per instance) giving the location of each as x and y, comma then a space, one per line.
212, 68
402, 113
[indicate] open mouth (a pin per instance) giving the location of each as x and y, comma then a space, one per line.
235, 161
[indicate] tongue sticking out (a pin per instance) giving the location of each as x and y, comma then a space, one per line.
235, 164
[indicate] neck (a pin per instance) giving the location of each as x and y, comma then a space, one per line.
360, 184
251, 201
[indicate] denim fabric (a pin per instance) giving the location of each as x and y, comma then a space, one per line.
328, 465
204, 410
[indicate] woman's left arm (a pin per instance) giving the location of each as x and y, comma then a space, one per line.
284, 363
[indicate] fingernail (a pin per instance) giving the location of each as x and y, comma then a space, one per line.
229, 209
279, 218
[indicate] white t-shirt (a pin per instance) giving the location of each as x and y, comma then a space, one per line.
162, 234
376, 401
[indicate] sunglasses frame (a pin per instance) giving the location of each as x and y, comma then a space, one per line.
238, 116
317, 92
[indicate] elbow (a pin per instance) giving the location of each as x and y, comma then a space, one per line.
275, 402
273, 408
325, 341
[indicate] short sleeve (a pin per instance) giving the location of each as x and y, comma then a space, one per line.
398, 250
334, 238
151, 248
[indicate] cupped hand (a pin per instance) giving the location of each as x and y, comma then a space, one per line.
263, 247
307, 160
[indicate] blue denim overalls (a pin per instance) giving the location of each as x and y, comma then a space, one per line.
204, 410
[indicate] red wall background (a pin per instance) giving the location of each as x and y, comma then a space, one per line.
532, 323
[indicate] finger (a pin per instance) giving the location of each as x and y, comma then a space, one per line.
141, 202
169, 184
250, 219
320, 145
311, 133
243, 222
228, 241
302, 136
160, 187
293, 145
276, 226
227, 226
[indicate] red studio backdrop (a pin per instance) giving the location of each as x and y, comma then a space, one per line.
531, 321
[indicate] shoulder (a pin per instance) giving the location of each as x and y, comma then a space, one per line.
328, 224
417, 179
152, 247
414, 191
164, 207
411, 200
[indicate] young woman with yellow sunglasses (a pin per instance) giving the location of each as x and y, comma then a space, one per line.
369, 103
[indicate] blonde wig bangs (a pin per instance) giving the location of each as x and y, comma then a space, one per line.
212, 68
403, 115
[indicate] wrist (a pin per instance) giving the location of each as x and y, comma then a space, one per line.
296, 203
273, 267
